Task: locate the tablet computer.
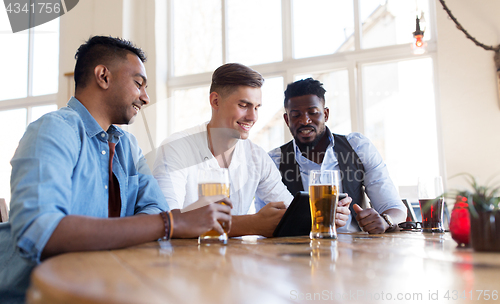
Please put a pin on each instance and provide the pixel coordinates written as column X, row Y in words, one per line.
column 297, row 219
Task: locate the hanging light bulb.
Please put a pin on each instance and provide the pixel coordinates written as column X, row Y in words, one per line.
column 419, row 46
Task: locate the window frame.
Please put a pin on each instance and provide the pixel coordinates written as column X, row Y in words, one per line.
column 289, row 66
column 29, row 101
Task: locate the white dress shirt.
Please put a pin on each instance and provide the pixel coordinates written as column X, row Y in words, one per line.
column 251, row 171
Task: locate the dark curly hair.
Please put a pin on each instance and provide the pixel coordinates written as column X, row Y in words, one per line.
column 303, row 87
column 101, row 50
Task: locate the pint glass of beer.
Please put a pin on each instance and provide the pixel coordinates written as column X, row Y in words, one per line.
column 323, row 198
column 213, row 181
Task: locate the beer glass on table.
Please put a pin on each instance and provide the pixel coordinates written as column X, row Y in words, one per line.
column 323, row 198
column 431, row 200
column 213, row 181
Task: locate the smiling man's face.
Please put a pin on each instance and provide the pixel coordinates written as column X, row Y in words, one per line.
column 238, row 110
column 306, row 116
column 127, row 94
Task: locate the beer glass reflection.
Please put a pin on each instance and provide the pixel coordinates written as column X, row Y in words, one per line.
column 324, row 255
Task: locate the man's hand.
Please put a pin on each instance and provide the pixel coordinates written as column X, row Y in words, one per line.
column 269, row 216
column 370, row 221
column 342, row 214
column 193, row 223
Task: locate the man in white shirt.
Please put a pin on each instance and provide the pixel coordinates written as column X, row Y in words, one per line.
column 235, row 97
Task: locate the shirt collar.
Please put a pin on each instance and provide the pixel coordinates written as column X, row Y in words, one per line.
column 235, row 160
column 92, row 128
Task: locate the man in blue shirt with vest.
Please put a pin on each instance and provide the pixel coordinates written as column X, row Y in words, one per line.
column 314, row 147
column 79, row 183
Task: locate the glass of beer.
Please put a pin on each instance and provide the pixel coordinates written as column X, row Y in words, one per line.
column 213, row 181
column 431, row 200
column 323, row 198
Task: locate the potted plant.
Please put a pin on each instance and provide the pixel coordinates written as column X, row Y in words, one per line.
column 483, row 206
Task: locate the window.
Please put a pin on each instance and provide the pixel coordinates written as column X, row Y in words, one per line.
column 322, row 27
column 196, row 36
column 359, row 49
column 254, row 31
column 400, row 116
column 189, row 103
column 388, row 22
column 28, row 82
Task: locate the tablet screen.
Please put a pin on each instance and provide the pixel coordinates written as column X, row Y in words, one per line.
column 297, row 218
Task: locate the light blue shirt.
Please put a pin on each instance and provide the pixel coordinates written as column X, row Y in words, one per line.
column 61, row 168
column 378, row 185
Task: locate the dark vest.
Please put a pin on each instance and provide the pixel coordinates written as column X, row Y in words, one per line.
column 352, row 171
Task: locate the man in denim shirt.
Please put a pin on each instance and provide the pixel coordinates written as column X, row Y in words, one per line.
column 62, row 191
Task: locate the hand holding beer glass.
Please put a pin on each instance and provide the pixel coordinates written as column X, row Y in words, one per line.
column 431, row 200
column 213, row 181
column 323, row 198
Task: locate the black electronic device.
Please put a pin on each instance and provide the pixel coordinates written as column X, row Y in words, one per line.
column 297, row 219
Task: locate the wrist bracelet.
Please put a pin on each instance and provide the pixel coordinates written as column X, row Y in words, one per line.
column 389, row 222
column 168, row 225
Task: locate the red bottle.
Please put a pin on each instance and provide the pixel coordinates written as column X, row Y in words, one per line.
column 460, row 221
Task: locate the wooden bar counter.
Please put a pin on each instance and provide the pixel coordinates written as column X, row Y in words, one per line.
column 401, row 267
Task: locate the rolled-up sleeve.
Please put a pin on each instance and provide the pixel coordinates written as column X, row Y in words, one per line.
column 41, row 183
column 379, row 186
column 275, row 155
column 271, row 188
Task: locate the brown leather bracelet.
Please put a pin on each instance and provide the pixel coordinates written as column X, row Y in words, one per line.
column 168, row 224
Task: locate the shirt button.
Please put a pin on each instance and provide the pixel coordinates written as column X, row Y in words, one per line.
column 103, row 135
column 106, row 187
column 103, row 152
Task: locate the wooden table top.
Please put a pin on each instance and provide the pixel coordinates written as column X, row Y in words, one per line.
column 403, row 267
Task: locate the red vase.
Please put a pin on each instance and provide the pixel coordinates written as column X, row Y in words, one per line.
column 460, row 222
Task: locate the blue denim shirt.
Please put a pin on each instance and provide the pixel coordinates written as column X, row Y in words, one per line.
column 61, row 168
